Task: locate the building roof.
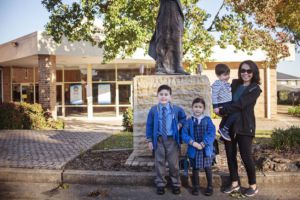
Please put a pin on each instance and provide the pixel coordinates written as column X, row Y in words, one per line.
column 24, row 51
column 283, row 76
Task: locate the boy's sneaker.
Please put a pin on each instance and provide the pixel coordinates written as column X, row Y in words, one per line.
column 224, row 133
column 160, row 190
column 231, row 189
column 250, row 192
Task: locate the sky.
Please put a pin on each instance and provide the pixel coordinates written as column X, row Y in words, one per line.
column 21, row 17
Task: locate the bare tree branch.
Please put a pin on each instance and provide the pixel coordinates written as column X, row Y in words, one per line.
column 214, row 21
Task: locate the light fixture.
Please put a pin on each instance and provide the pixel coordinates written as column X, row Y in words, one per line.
column 14, row 44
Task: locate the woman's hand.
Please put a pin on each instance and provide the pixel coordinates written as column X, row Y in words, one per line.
column 217, row 111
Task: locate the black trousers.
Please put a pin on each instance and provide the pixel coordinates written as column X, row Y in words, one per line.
column 245, row 146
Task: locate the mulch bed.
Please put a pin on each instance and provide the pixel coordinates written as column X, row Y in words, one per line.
column 266, row 159
column 104, row 161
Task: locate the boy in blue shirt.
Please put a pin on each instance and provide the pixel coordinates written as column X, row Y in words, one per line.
column 162, row 134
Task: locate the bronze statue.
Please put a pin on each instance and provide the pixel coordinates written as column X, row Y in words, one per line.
column 166, row 42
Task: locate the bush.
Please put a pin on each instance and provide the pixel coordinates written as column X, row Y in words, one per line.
column 286, row 139
column 127, row 122
column 26, row 116
column 294, row 111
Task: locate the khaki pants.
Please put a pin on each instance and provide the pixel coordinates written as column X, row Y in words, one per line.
column 167, row 151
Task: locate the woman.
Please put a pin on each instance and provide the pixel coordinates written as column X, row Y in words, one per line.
column 245, row 91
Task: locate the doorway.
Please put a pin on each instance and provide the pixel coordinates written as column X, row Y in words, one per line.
column 27, row 93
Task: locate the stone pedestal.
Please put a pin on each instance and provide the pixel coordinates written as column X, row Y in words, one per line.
column 184, row 90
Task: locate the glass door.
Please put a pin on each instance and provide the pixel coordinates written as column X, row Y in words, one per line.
column 27, row 93
column 125, row 96
column 59, row 99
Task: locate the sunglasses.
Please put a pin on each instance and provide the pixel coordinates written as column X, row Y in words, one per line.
column 249, row 71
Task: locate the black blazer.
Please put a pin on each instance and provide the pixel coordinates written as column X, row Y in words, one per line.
column 245, row 123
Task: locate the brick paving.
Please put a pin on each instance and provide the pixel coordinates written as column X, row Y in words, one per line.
column 44, row 149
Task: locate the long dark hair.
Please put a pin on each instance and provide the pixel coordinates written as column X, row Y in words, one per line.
column 255, row 71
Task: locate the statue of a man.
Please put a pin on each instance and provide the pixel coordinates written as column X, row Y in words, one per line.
column 166, row 43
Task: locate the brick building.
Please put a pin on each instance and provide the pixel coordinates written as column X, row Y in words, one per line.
column 70, row 80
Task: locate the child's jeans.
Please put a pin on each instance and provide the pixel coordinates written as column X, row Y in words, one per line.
column 230, row 119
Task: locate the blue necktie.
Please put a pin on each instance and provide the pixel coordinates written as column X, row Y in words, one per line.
column 164, row 124
column 196, row 120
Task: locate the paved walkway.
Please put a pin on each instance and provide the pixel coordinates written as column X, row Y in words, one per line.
column 94, row 125
column 44, row 149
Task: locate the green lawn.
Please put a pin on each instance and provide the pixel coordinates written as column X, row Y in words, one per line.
column 124, row 140
column 263, row 133
column 120, row 140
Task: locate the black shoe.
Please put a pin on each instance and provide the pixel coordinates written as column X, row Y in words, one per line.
column 195, row 191
column 160, row 190
column 231, row 189
column 250, row 192
column 209, row 191
column 176, row 190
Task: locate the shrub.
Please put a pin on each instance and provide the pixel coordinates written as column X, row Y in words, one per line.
column 26, row 116
column 127, row 122
column 286, row 139
column 294, row 111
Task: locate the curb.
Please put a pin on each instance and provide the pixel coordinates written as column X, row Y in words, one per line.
column 147, row 178
column 108, row 177
column 132, row 178
column 30, row 175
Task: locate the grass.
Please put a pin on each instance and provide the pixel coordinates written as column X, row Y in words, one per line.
column 263, row 133
column 120, row 140
column 124, row 140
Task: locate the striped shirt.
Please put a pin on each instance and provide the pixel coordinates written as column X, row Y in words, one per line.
column 221, row 92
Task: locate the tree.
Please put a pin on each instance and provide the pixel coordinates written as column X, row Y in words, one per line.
column 129, row 24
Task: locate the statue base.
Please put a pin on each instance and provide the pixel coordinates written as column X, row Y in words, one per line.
column 184, row 90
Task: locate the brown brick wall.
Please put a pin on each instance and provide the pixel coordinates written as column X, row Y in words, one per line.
column 47, row 83
column 6, row 84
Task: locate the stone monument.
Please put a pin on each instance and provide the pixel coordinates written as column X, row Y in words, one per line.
column 184, row 90
column 166, row 48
